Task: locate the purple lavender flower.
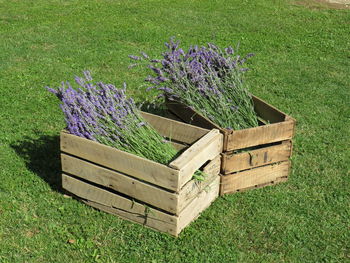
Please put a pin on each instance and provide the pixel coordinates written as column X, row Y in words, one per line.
column 155, row 61
column 132, row 66
column 87, row 75
column 229, row 51
column 234, row 108
column 144, row 55
column 140, row 124
column 134, row 57
column 166, row 90
column 103, row 113
column 208, row 79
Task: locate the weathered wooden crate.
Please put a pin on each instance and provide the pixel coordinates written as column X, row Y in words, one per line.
column 253, row 157
column 163, row 197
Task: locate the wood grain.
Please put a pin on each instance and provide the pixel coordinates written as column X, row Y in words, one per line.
column 212, row 137
column 280, row 126
column 260, row 135
column 171, row 202
column 233, row 162
column 122, row 206
column 175, row 130
column 139, row 213
column 268, row 112
column 250, row 178
column 209, row 151
column 198, row 205
column 115, row 159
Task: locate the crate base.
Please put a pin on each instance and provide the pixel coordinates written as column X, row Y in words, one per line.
column 255, row 178
column 132, row 210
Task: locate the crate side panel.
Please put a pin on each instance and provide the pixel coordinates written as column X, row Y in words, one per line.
column 254, row 177
column 132, row 187
column 175, row 130
column 122, row 206
column 189, row 115
column 135, row 218
column 194, row 187
column 265, row 134
column 198, row 205
column 267, row 112
column 209, row 152
column 241, row 161
column 212, row 137
column 131, row 164
column 276, row 181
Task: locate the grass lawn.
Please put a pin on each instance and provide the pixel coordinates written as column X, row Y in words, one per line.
column 302, row 66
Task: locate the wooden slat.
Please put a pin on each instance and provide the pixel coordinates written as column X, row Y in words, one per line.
column 276, row 181
column 121, row 206
column 150, row 194
column 133, row 217
column 213, row 167
column 188, row 115
column 241, row 161
column 211, row 149
column 199, row 204
column 193, row 151
column 132, row 187
column 193, row 187
column 254, row 177
column 179, row 146
column 273, row 132
column 175, row 130
column 136, row 212
column 265, row 134
column 141, row 168
column 267, row 112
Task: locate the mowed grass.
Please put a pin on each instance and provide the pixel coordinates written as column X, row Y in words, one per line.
column 302, row 66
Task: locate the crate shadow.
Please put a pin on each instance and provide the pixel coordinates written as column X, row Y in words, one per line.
column 154, row 108
column 158, row 109
column 42, row 157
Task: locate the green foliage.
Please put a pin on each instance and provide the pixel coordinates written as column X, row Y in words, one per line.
column 301, row 66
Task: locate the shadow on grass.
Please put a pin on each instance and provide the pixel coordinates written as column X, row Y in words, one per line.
column 42, row 156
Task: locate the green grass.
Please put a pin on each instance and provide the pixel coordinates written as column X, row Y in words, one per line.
column 302, row 66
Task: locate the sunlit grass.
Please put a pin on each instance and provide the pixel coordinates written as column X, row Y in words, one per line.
column 301, row 66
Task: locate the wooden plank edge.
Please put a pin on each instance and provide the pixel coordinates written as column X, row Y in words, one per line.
column 189, row 115
column 226, row 187
column 122, row 183
column 212, row 150
column 228, row 158
column 199, row 146
column 198, row 205
column 118, row 160
column 186, row 129
column 276, row 181
column 135, row 218
column 98, row 195
column 267, row 112
column 243, row 142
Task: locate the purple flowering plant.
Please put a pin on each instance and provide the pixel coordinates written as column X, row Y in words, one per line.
column 103, row 113
column 207, row 79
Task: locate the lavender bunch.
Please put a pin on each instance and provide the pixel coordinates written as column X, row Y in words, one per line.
column 207, row 79
column 102, row 113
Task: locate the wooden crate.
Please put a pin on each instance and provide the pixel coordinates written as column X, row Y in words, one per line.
column 250, row 156
column 163, row 197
